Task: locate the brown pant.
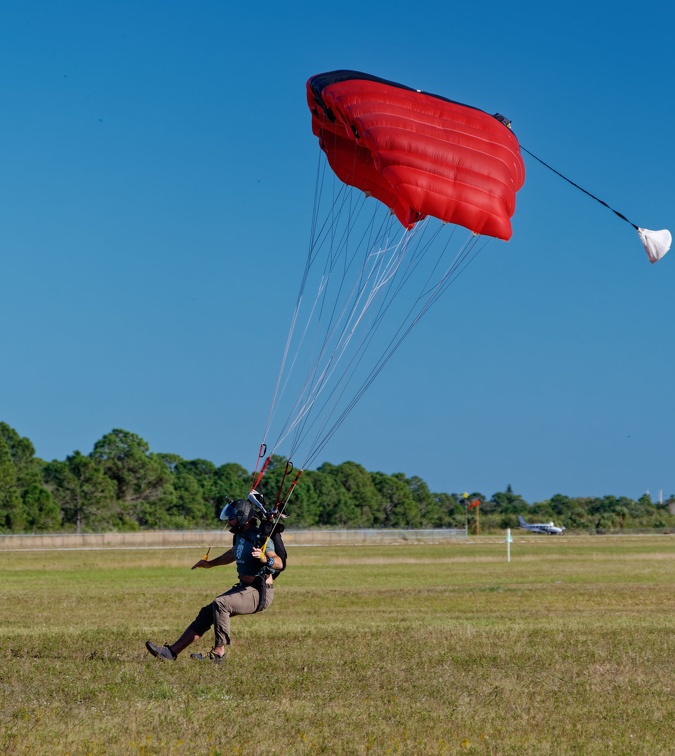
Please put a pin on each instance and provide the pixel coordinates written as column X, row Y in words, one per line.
column 240, row 599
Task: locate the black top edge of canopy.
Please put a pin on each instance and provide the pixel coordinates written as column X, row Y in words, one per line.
column 318, row 83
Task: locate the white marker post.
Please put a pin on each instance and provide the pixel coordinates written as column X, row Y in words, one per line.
column 509, row 541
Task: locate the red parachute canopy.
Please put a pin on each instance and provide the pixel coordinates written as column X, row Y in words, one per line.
column 418, row 153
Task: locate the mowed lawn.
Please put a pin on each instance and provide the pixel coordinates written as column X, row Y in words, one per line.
column 415, row 649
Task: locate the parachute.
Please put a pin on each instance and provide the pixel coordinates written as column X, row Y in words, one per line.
column 419, row 154
column 400, row 173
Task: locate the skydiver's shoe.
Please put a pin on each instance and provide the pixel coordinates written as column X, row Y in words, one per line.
column 212, row 656
column 161, row 652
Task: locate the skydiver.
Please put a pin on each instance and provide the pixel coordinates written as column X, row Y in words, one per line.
column 253, row 593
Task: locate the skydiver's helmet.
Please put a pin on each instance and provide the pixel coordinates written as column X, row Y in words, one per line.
column 240, row 510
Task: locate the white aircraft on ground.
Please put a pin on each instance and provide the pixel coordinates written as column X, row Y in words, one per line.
column 542, row 527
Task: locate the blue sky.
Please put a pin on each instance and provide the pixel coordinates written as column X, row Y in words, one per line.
column 157, row 180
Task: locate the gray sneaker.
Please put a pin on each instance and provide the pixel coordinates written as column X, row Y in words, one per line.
column 161, row 652
column 212, row 656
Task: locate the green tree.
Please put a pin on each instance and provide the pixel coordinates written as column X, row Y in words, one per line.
column 542, row 510
column 84, row 493
column 232, row 482
column 28, row 469
column 606, row 521
column 335, row 506
column 42, row 511
column 433, row 510
column 507, row 520
column 577, row 519
column 187, row 507
column 143, row 479
column 27, row 504
column 601, row 506
column 304, row 507
column 453, row 513
column 12, row 511
column 358, row 483
column 398, row 507
column 198, row 497
column 562, row 505
column 642, row 508
column 507, row 502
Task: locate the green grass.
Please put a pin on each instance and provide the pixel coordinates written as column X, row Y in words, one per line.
column 416, row 649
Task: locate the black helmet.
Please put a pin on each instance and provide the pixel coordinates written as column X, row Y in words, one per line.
column 239, row 510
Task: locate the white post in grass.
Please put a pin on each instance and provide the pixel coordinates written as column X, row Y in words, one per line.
column 509, row 540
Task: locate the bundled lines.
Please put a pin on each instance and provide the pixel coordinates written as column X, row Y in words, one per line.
column 377, row 282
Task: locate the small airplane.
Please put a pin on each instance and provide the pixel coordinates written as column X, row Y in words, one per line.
column 541, row 527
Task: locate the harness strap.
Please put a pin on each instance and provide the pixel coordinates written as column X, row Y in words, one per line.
column 260, row 584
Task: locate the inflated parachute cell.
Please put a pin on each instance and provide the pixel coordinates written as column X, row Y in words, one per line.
column 418, row 153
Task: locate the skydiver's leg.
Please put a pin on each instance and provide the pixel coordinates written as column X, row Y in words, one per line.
column 186, row 639
column 202, row 622
column 238, row 600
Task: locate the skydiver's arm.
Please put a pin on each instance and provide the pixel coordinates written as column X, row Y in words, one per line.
column 226, row 558
column 275, row 564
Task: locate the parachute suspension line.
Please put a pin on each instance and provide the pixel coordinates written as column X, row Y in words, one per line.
column 261, row 453
column 319, row 181
column 463, row 259
column 339, row 390
column 289, row 467
column 258, row 478
column 345, row 322
column 277, row 512
column 339, row 249
column 337, row 393
column 316, row 449
column 355, row 326
column 378, row 273
column 569, row 181
column 311, row 256
column 325, row 233
column 317, row 304
column 343, row 343
column 282, row 498
column 288, row 493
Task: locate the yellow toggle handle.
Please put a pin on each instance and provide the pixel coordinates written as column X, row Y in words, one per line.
column 263, row 558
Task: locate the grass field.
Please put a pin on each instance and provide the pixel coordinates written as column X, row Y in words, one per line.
column 429, row 649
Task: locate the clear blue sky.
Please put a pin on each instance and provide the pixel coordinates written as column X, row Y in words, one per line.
column 157, row 181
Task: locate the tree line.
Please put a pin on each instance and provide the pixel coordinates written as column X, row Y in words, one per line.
column 122, row 485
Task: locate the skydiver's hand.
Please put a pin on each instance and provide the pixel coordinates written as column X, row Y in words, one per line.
column 203, row 563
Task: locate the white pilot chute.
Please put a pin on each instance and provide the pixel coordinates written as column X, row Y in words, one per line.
column 656, row 243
